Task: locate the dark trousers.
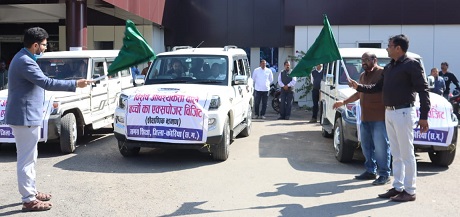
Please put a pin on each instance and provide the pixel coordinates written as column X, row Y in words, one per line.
column 260, row 95
column 287, row 97
column 315, row 98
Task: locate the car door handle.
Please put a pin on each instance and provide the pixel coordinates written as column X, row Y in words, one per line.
column 105, row 85
column 118, row 82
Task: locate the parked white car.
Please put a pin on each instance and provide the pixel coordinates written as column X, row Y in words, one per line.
column 70, row 115
column 440, row 142
column 194, row 98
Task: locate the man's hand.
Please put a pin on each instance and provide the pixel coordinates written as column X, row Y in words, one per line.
column 337, row 104
column 286, row 87
column 81, row 83
column 353, row 84
column 423, row 126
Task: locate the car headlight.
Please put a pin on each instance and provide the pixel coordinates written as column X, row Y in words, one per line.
column 350, row 110
column 215, row 102
column 122, row 101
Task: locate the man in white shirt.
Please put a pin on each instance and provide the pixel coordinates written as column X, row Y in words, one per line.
column 287, row 93
column 262, row 77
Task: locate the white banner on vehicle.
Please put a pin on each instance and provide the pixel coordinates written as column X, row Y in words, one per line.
column 166, row 115
column 6, row 133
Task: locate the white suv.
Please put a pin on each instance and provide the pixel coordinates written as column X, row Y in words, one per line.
column 194, row 98
column 70, row 115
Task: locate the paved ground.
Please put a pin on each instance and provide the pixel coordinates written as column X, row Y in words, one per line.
column 285, row 168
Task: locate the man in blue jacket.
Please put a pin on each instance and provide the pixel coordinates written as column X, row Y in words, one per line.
column 24, row 112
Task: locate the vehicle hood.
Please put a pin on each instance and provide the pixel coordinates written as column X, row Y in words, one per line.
column 221, row 91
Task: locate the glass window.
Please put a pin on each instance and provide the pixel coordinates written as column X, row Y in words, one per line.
column 64, row 68
column 354, row 68
column 189, row 69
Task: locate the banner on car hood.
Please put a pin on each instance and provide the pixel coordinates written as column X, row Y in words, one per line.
column 169, row 116
column 440, row 122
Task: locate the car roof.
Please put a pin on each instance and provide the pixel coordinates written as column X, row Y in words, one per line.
column 81, row 54
column 379, row 52
column 222, row 51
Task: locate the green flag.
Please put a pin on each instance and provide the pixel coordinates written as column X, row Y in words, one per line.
column 324, row 50
column 135, row 50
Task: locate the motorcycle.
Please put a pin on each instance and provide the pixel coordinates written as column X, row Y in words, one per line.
column 275, row 93
column 454, row 99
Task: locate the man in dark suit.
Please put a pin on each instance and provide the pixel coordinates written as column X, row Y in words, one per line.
column 24, row 112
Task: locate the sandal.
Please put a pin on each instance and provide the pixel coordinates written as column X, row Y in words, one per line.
column 36, row 205
column 43, row 196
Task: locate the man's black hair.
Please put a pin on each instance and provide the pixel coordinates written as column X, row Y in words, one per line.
column 401, row 41
column 34, row 35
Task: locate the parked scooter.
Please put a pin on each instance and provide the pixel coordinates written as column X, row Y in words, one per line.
column 275, row 94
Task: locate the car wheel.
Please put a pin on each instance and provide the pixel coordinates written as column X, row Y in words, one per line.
column 442, row 158
column 220, row 151
column 343, row 151
column 247, row 131
column 68, row 138
column 127, row 151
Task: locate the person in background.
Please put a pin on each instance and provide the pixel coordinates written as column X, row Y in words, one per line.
column 374, row 137
column 146, row 69
column 449, row 77
column 24, row 112
column 262, row 77
column 3, row 75
column 135, row 72
column 287, row 94
column 401, row 79
column 316, row 76
column 177, row 69
column 439, row 84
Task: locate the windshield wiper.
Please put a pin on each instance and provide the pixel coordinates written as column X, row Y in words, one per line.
column 208, row 82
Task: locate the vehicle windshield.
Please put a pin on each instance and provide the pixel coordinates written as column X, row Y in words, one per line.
column 64, row 68
column 196, row 69
column 354, row 68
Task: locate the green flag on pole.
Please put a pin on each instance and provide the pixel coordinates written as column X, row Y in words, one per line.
column 324, row 50
column 135, row 50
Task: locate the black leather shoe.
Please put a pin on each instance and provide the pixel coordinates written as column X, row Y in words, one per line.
column 381, row 180
column 280, row 118
column 390, row 193
column 366, row 176
column 403, row 197
column 287, row 118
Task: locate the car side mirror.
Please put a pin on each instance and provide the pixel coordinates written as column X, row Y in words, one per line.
column 240, row 80
column 139, row 80
column 96, row 82
column 329, row 79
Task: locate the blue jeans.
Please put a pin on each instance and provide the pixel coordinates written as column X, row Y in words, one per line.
column 375, row 147
column 260, row 95
column 286, row 103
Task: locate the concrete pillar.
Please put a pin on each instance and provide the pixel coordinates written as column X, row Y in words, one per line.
column 76, row 32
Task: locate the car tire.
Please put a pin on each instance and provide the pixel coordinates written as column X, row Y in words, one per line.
column 442, row 158
column 126, row 151
column 221, row 150
column 247, row 131
column 343, row 151
column 68, row 137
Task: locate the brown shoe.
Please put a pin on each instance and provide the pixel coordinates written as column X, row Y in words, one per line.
column 390, row 193
column 36, row 205
column 43, row 196
column 403, row 197
column 313, row 120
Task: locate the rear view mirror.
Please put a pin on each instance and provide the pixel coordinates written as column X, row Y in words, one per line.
column 329, row 79
column 139, row 80
column 240, row 80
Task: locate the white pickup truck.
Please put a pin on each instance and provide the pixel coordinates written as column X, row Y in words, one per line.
column 70, row 115
column 440, row 142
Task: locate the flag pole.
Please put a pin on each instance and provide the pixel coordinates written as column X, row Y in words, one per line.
column 345, row 70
